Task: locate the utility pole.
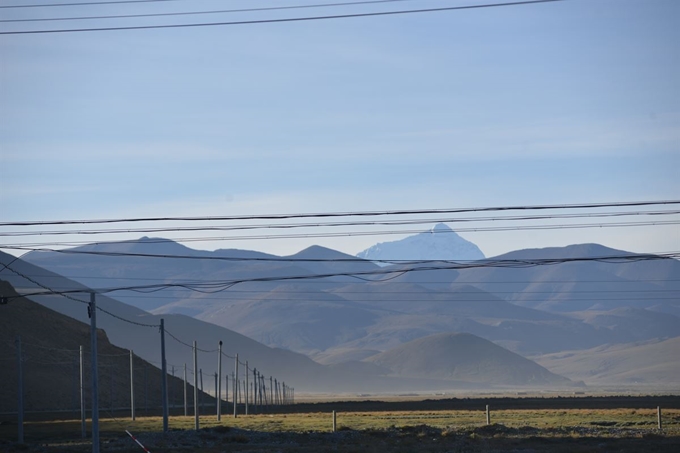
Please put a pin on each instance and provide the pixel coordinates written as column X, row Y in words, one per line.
column 200, row 375
column 196, row 422
column 236, row 386
column 170, row 390
column 20, row 415
column 82, row 393
column 185, row 391
column 164, row 379
column 95, row 384
column 255, row 388
column 146, row 388
column 132, row 385
column 219, row 381
column 271, row 390
column 246, row 393
column 264, row 390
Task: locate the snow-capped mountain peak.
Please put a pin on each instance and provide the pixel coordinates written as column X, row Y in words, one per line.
column 438, row 243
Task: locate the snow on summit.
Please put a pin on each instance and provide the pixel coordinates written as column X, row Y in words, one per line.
column 438, row 243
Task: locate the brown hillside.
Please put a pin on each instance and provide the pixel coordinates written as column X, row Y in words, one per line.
column 464, row 357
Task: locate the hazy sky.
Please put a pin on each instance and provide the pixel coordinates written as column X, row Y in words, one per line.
column 576, row 101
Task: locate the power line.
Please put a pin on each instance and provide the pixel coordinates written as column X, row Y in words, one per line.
column 90, row 277
column 387, row 274
column 223, row 11
column 67, row 296
column 450, row 295
column 9, row 268
column 454, row 299
column 43, row 246
column 290, row 19
column 203, row 255
column 120, row 318
column 347, row 213
column 467, row 282
column 275, row 226
column 111, row 2
column 187, row 344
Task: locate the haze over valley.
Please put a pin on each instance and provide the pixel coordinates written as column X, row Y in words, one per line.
column 332, row 322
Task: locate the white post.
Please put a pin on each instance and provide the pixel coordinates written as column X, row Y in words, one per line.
column 334, row 423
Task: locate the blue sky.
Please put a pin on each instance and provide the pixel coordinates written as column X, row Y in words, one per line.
column 576, row 101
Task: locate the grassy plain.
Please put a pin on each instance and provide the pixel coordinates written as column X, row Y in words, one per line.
column 578, row 430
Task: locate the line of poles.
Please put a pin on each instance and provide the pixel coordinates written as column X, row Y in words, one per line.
column 256, row 394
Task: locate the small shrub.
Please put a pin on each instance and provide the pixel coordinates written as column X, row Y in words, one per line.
column 603, row 423
column 237, row 439
column 652, row 436
column 448, row 433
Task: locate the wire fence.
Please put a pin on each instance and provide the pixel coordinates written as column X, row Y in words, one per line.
column 54, row 380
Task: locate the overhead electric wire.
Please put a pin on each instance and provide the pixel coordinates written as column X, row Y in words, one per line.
column 129, row 321
column 35, row 282
column 37, row 246
column 223, row 11
column 273, row 226
column 219, row 286
column 67, row 296
column 468, row 282
column 187, row 344
column 346, row 213
column 289, row 19
column 106, row 2
column 455, row 299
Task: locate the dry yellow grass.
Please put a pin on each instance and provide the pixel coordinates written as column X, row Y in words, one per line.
column 644, row 419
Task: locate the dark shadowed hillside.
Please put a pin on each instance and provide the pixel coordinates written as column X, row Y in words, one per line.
column 50, row 352
column 286, row 365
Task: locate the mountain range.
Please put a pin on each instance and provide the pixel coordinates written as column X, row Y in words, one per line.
column 138, row 334
column 359, row 310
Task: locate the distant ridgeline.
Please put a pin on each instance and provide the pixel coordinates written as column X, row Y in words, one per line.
column 440, row 243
